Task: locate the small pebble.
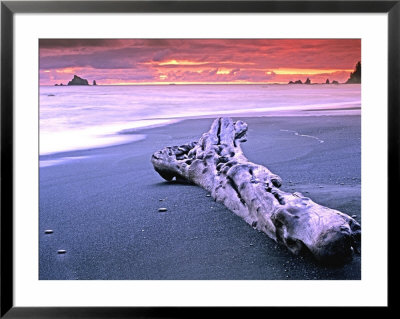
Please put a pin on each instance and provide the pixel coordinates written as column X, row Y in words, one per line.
column 161, row 199
column 251, row 244
column 321, row 186
column 61, row 251
column 354, row 216
column 142, row 229
column 48, row 231
column 208, row 195
column 162, row 209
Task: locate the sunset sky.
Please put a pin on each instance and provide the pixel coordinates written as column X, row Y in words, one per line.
column 193, row 61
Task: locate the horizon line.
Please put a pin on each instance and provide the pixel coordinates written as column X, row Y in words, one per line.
column 169, row 84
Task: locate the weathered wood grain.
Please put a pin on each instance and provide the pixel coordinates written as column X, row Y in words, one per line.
column 216, row 163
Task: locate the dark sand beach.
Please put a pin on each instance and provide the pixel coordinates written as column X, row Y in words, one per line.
column 102, row 205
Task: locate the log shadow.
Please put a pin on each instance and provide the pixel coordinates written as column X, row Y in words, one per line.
column 174, row 183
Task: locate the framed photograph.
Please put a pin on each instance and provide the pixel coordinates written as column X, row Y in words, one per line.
column 163, row 155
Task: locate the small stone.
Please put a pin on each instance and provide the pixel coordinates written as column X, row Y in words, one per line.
column 48, row 231
column 142, row 229
column 162, row 209
column 61, row 251
column 208, row 195
column 321, row 186
column 251, row 244
column 354, row 216
column 161, row 199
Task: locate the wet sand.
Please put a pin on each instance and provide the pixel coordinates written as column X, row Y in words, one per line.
column 102, row 205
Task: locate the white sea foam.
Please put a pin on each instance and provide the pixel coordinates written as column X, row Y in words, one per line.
column 46, row 163
column 304, row 135
column 81, row 117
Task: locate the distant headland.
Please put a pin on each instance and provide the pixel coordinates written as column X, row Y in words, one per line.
column 355, row 77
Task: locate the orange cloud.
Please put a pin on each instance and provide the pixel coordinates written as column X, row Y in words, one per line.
column 308, row 71
column 175, row 62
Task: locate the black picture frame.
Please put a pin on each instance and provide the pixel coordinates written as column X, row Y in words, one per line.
column 9, row 8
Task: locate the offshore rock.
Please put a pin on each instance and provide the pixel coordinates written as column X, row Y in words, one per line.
column 78, row 81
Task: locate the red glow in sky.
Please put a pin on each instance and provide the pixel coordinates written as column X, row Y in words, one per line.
column 197, row 61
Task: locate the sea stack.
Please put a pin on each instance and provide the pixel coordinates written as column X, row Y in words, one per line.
column 78, row 81
column 327, row 81
column 94, row 82
column 308, row 81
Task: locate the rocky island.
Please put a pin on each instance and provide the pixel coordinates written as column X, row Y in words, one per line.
column 78, row 81
column 296, row 82
column 308, row 81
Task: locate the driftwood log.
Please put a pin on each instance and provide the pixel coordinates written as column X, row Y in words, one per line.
column 216, row 163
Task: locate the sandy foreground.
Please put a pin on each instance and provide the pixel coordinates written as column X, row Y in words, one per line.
column 102, row 205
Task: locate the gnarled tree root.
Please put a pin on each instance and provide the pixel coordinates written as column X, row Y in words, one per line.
column 216, row 163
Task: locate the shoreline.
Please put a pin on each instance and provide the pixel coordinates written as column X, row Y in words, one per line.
column 139, row 132
column 103, row 206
